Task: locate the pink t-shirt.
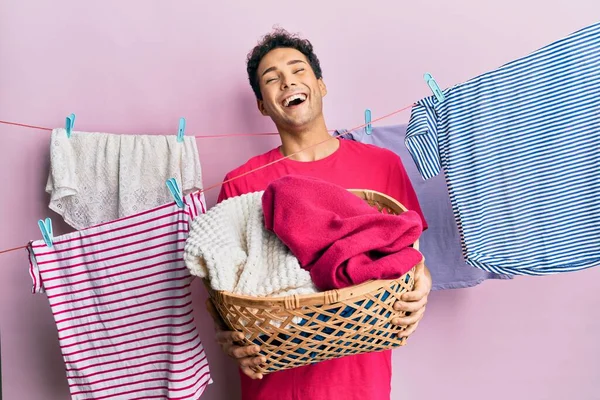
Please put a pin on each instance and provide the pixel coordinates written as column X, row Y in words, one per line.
column 353, row 166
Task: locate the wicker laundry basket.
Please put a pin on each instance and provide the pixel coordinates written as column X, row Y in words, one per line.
column 304, row 329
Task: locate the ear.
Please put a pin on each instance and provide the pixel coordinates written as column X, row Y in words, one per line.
column 322, row 87
column 261, row 107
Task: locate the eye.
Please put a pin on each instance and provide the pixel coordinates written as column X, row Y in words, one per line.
column 299, row 70
column 270, row 80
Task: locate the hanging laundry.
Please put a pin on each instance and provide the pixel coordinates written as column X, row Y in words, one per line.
column 230, row 246
column 519, row 147
column 99, row 177
column 120, row 297
column 337, row 236
column 440, row 244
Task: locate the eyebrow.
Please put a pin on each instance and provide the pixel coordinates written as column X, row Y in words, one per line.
column 292, row 62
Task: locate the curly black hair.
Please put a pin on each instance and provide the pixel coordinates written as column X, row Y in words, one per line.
column 277, row 39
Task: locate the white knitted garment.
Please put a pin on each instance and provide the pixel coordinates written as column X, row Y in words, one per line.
column 230, row 246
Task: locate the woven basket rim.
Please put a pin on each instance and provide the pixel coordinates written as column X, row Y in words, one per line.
column 324, row 297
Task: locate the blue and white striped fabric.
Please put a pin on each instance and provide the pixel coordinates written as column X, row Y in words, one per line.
column 520, row 150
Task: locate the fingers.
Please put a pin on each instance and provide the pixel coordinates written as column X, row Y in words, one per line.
column 246, row 356
column 227, row 339
column 242, row 351
column 251, row 373
column 409, row 319
column 413, row 295
column 254, row 361
column 420, row 290
column 410, row 323
column 410, row 307
column 409, row 330
column 224, row 337
column 422, row 285
column 246, row 363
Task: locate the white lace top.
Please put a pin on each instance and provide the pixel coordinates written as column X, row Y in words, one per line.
column 100, row 177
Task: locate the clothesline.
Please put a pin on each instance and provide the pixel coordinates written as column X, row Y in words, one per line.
column 196, row 136
column 248, row 172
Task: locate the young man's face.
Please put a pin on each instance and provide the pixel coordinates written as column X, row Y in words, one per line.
column 292, row 94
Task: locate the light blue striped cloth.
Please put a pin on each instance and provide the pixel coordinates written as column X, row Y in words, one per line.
column 440, row 243
column 520, row 150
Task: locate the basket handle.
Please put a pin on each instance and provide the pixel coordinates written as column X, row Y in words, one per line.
column 331, row 296
column 292, row 301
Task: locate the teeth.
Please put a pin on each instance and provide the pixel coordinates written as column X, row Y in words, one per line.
column 293, row 97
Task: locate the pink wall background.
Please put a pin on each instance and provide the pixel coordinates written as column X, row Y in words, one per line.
column 137, row 66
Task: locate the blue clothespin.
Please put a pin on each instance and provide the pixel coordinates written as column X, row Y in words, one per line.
column 46, row 228
column 181, row 130
column 368, row 127
column 434, row 87
column 70, row 123
column 175, row 191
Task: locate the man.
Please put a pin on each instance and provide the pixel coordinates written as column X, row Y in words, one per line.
column 286, row 78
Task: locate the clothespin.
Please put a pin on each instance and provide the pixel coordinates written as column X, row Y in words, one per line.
column 175, row 191
column 70, row 123
column 368, row 127
column 434, row 87
column 181, row 130
column 46, row 228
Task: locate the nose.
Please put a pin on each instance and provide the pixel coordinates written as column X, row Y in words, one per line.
column 288, row 81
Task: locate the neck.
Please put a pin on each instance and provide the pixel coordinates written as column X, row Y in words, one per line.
column 316, row 138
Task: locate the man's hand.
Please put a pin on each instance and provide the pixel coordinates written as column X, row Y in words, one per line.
column 244, row 356
column 413, row 302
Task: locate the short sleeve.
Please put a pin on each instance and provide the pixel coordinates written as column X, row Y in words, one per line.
column 402, row 190
column 421, row 138
column 225, row 192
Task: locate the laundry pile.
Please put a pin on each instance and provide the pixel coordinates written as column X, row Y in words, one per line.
column 301, row 235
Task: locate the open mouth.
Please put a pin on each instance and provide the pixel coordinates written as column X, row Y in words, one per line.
column 294, row 100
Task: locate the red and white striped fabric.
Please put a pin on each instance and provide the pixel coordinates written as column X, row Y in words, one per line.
column 121, row 300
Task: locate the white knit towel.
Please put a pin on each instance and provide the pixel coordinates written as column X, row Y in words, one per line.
column 100, row 177
column 230, row 246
